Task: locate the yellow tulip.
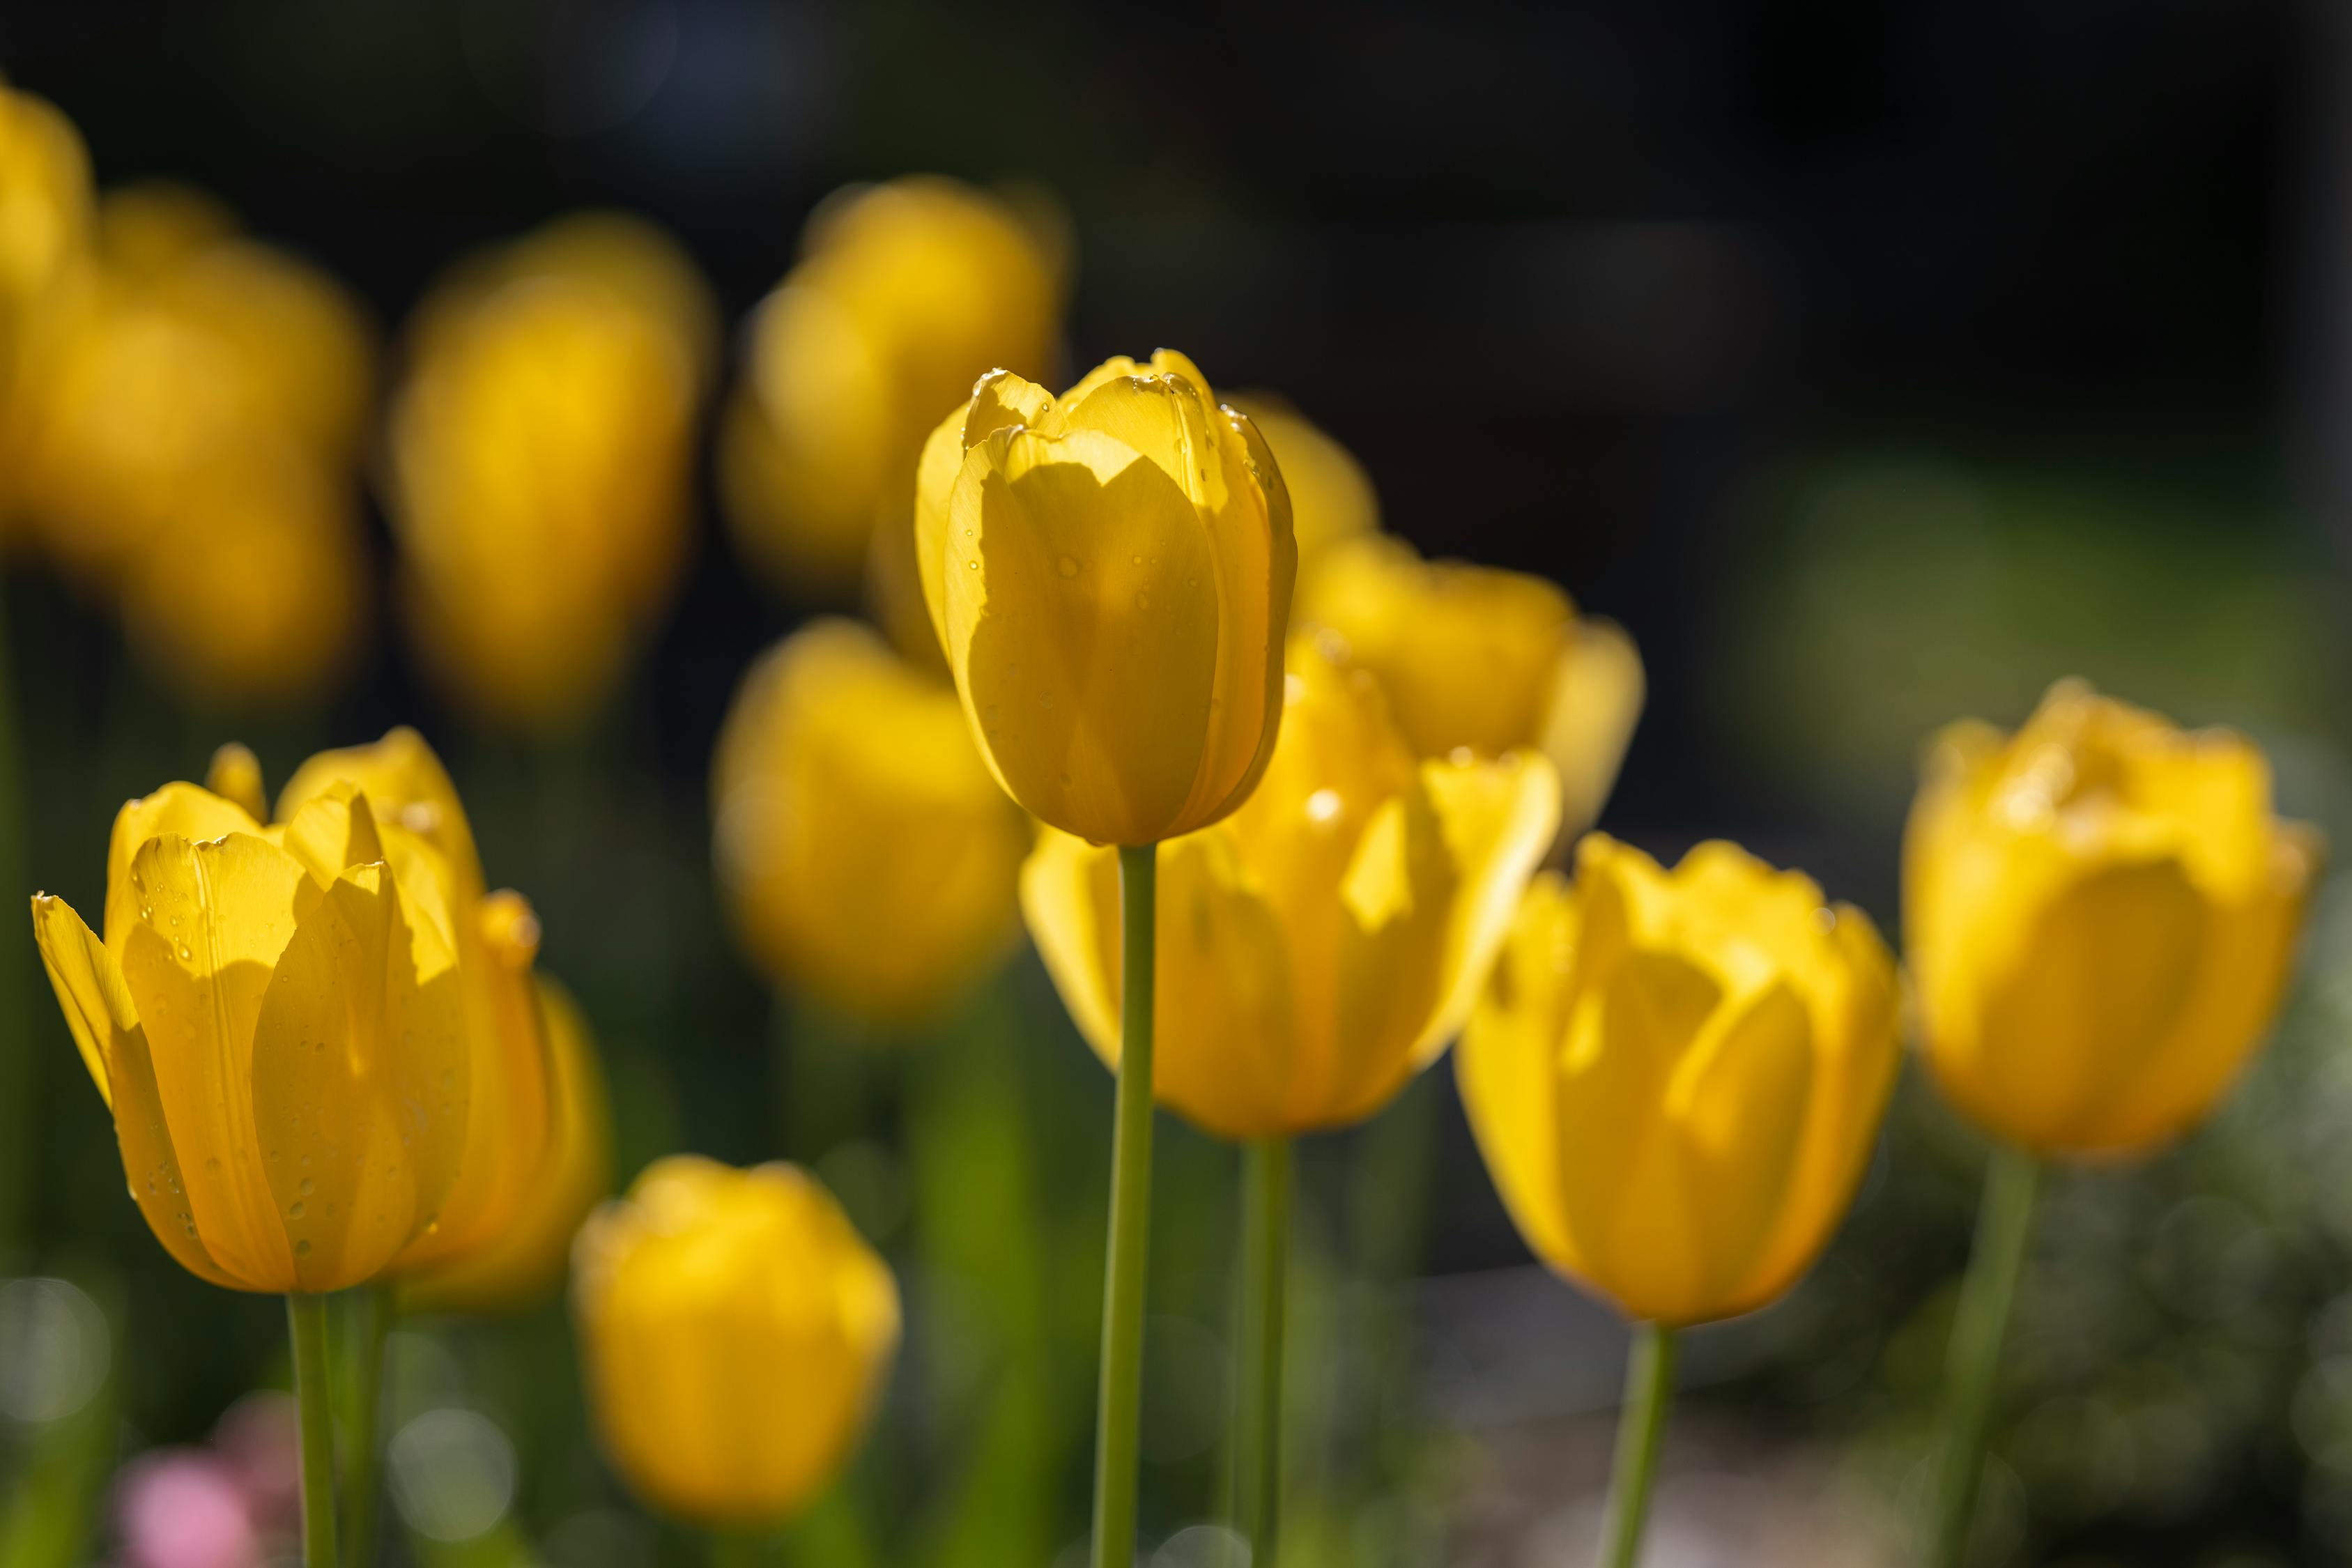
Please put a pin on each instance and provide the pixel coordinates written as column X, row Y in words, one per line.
column 45, row 233
column 1324, row 943
column 1676, row 1076
column 275, row 1018
column 1479, row 657
column 1110, row 576
column 736, row 1332
column 541, row 452
column 2101, row 913
column 512, row 1076
column 867, row 856
column 908, row 291
column 518, row 1266
column 1331, row 497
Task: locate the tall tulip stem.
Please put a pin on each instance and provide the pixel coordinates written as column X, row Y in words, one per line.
column 2004, row 1226
column 1264, row 1263
column 306, row 1326
column 1120, row 1400
column 1641, row 1432
column 368, row 1324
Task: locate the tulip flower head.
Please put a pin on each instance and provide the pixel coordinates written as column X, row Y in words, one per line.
column 302, row 1028
column 736, row 1333
column 1324, row 943
column 1487, row 659
column 866, row 853
column 541, row 458
column 45, row 224
column 1676, row 1076
column 2102, row 914
column 1110, row 574
column 907, row 291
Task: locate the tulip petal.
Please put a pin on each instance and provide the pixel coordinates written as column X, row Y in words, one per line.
column 219, row 916
column 184, row 809
column 1506, row 1065
column 105, row 1025
column 407, row 787
column 366, row 1125
column 1596, row 699
column 999, row 400
column 1498, row 818
column 1084, row 631
column 1229, row 1052
column 1069, row 896
column 2106, row 972
column 331, row 831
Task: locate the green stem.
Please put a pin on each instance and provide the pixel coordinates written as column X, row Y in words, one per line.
column 1641, row 1432
column 2004, row 1226
column 306, row 1326
column 1265, row 1259
column 369, row 1322
column 1120, row 1401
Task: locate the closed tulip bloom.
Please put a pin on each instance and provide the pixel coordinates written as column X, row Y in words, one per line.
column 520, row 1263
column 909, row 290
column 736, row 1333
column 866, row 854
column 512, row 1076
column 1331, row 497
column 1676, row 1076
column 1479, row 657
column 541, row 461
column 1110, row 576
column 2102, row 912
column 275, row 1017
column 1324, row 943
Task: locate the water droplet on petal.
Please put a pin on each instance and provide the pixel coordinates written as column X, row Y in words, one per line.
column 212, row 1166
column 306, row 1185
column 301, row 1250
column 1143, row 601
column 299, row 1210
column 1068, row 565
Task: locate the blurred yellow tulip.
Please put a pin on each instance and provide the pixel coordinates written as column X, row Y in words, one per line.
column 540, row 460
column 44, row 235
column 520, row 1264
column 736, row 1332
column 2101, row 913
column 1331, row 497
column 1110, row 576
column 275, row 1017
column 867, row 856
column 1676, row 1076
column 908, row 291
column 188, row 434
column 1479, row 657
column 1324, row 943
column 513, row 1140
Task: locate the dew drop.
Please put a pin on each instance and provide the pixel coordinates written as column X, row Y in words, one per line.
column 1143, row 601
column 1139, row 561
column 974, row 565
column 301, row 1250
column 306, row 1185
column 184, row 954
column 212, row 1164
column 1068, row 565
column 299, row 1210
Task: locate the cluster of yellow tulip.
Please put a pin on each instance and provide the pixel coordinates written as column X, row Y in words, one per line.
column 181, row 414
column 1294, row 791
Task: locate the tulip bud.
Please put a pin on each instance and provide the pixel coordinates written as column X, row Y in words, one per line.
column 1483, row 658
column 541, row 455
column 1676, row 1076
column 735, row 1332
column 907, row 291
column 1324, row 943
column 1110, row 576
column 2101, row 913
column 867, row 856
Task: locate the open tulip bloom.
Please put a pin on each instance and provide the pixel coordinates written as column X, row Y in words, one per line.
column 318, row 1038
column 2103, row 912
column 1109, row 574
column 1676, row 1078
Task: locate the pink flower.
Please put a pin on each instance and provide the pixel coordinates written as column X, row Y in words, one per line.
column 181, row 1508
